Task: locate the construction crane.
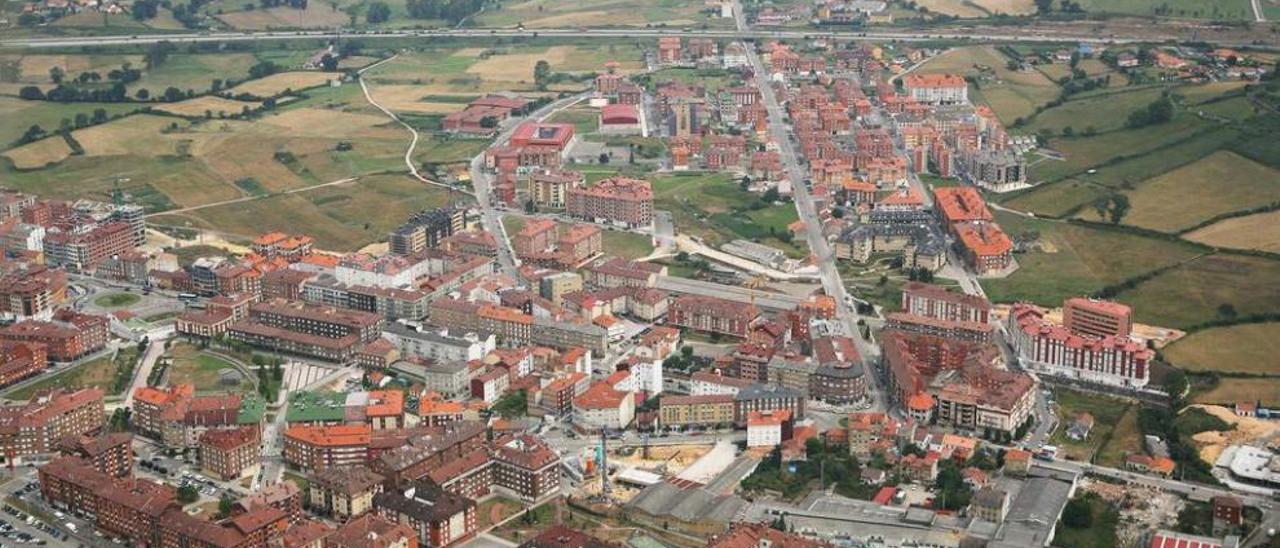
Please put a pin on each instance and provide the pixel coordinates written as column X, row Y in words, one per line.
column 754, row 283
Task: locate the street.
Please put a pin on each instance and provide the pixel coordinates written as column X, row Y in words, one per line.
column 818, row 246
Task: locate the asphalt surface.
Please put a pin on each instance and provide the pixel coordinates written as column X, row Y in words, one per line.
column 1015, row 34
column 818, row 245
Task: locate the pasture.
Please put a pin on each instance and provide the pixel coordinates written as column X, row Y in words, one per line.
column 1230, row 390
column 1246, row 348
column 1219, row 183
column 341, row 217
column 1198, row 290
column 278, row 83
column 1071, row 260
column 1260, row 231
column 316, row 15
column 1184, row 9
column 979, row 8
column 208, row 106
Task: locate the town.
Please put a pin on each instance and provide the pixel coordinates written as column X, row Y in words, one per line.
column 758, row 280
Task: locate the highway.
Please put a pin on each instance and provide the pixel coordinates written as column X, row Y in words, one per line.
column 1014, row 34
column 818, row 245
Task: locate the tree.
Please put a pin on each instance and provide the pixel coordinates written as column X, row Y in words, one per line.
column 158, row 53
column 604, row 158
column 378, row 12
column 542, row 74
column 56, row 74
column 771, row 195
column 34, row 132
column 31, row 93
column 1227, row 310
column 1119, row 207
column 99, row 115
column 172, row 94
column 224, row 505
column 142, row 94
column 188, row 494
column 328, row 63
column 1044, row 6
column 1078, row 514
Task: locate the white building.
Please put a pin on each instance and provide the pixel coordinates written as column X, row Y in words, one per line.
column 648, row 375
column 419, row 340
column 765, row 428
column 937, row 89
column 385, row 271
column 604, row 406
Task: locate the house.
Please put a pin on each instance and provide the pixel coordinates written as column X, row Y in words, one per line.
column 1081, row 426
column 1142, row 463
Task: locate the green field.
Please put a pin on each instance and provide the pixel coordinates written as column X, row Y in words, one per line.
column 1114, row 430
column 1237, row 10
column 1194, row 292
column 1102, row 113
column 1077, row 260
column 19, row 115
column 1247, row 348
column 341, row 217
column 627, row 245
column 1230, row 390
column 598, row 13
column 1074, row 187
column 97, row 373
column 714, row 207
column 1219, row 183
column 116, row 300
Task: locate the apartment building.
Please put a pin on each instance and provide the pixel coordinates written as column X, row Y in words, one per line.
column 439, row 518
column 617, row 200
column 39, row 425
column 1050, row 348
column 710, row 410
column 67, row 336
column 109, row 453
column 20, row 360
column 712, row 315
column 1096, row 317
column 937, row 89
column 317, row 331
column 31, row 291
column 230, row 454
column 426, row 229
column 344, row 493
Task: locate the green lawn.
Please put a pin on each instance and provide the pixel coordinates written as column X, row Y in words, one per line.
column 116, row 300
column 628, row 245
column 1077, row 260
column 190, row 365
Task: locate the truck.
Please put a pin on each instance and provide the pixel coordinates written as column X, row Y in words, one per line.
column 71, row 527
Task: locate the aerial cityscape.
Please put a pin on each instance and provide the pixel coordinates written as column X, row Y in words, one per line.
column 640, row 273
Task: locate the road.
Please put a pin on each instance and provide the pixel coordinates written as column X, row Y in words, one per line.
column 155, row 349
column 818, row 245
column 413, row 143
column 1016, row 34
column 1258, row 14
column 273, row 433
column 491, row 216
